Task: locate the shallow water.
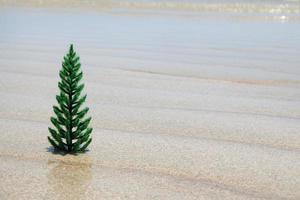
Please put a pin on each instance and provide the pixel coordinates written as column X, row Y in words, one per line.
column 172, row 44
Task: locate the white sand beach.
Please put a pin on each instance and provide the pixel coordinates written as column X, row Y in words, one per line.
column 185, row 103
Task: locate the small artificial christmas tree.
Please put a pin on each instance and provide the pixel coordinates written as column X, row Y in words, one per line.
column 72, row 133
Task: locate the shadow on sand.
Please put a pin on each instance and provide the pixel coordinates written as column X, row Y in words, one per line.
column 62, row 153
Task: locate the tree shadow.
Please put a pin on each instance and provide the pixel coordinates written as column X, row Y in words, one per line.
column 55, row 151
column 62, row 153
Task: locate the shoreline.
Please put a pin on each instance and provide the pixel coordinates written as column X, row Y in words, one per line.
column 281, row 11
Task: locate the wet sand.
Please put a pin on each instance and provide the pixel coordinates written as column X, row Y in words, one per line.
column 183, row 107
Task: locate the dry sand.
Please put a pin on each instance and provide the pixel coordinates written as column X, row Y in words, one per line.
column 179, row 110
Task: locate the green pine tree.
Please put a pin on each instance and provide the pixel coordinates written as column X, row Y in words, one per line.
column 72, row 132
